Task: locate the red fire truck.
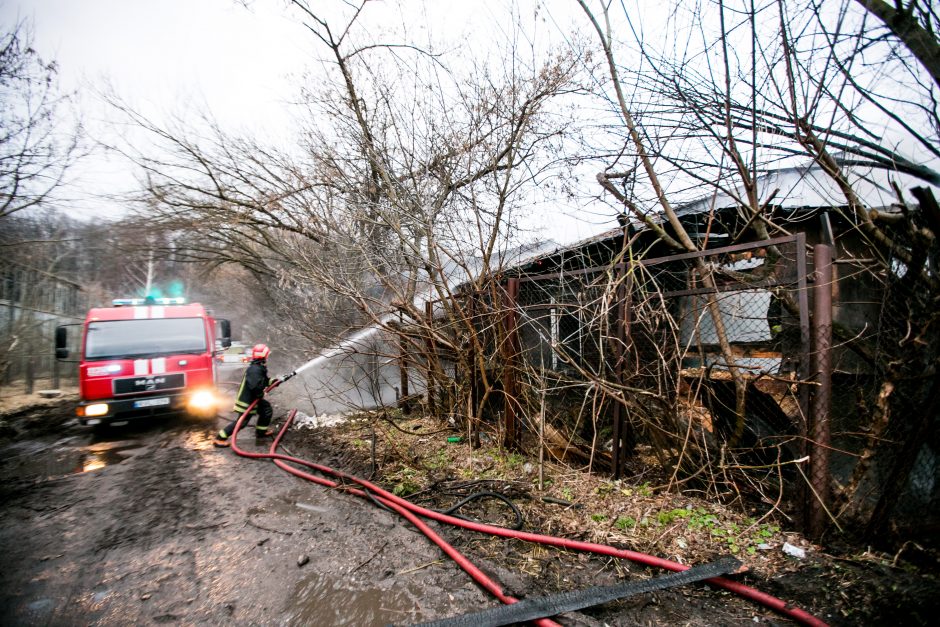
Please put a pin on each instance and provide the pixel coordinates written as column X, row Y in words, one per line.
column 144, row 357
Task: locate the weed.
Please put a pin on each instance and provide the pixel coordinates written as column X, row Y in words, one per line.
column 728, row 534
column 439, row 461
column 405, row 482
column 664, row 518
column 404, row 488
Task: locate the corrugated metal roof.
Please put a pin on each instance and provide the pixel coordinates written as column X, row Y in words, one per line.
column 797, row 188
column 808, row 186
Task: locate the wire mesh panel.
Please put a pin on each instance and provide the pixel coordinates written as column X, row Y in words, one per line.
column 566, row 326
column 659, row 325
column 737, row 337
column 886, row 390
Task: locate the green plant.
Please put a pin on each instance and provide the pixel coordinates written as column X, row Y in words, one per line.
column 405, row 482
column 728, row 533
column 441, row 460
column 625, row 522
column 598, row 517
column 702, row 519
column 566, row 494
column 404, row 488
column 664, row 518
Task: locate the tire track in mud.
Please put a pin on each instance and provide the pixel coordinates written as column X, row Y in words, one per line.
column 139, row 565
column 158, row 496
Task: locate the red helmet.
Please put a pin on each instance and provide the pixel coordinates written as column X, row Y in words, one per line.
column 260, row 351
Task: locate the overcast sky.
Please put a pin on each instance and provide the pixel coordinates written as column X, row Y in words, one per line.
column 184, row 57
column 164, row 58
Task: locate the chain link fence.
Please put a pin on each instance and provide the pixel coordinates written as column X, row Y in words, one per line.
column 706, row 350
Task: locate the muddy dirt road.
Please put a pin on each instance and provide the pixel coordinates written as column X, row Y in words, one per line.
column 151, row 524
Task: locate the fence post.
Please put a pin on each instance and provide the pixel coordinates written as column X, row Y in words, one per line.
column 29, row 369
column 621, row 446
column 822, row 396
column 403, row 402
column 429, row 319
column 474, row 414
column 510, row 350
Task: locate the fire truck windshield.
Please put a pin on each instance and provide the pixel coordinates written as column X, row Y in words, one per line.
column 114, row 339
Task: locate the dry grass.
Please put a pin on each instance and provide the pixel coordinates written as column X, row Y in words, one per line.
column 414, row 459
column 14, row 399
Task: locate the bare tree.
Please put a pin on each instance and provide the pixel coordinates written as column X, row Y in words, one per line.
column 407, row 180
column 35, row 151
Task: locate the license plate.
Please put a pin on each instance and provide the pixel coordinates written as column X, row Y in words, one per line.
column 152, row 402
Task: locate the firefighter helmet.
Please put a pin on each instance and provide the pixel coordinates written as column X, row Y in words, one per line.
column 260, row 351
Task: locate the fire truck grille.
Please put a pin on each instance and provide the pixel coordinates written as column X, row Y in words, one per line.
column 149, row 383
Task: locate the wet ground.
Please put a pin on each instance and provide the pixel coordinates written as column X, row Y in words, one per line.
column 150, row 523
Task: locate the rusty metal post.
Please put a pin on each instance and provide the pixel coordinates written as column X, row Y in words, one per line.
column 802, row 493
column 822, row 396
column 474, row 416
column 510, row 351
column 429, row 377
column 621, row 448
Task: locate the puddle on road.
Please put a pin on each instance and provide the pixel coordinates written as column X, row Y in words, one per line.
column 55, row 462
column 200, row 440
column 322, row 601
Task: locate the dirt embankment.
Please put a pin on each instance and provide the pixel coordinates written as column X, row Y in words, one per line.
column 151, row 524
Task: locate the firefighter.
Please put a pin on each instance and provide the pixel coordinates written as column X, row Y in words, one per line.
column 252, row 388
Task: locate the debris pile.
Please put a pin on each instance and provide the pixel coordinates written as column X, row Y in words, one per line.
column 303, row 421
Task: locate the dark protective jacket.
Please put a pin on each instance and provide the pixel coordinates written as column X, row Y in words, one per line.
column 253, row 385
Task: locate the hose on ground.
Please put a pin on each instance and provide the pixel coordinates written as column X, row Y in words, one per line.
column 481, row 495
column 279, row 460
column 410, row 511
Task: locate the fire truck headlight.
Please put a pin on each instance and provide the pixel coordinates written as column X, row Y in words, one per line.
column 97, row 409
column 202, row 402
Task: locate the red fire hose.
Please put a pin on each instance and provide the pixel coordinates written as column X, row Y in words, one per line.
column 410, row 511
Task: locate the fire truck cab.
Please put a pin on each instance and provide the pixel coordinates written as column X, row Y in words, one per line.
column 145, row 357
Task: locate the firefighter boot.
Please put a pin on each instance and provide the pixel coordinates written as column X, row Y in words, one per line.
column 222, row 440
